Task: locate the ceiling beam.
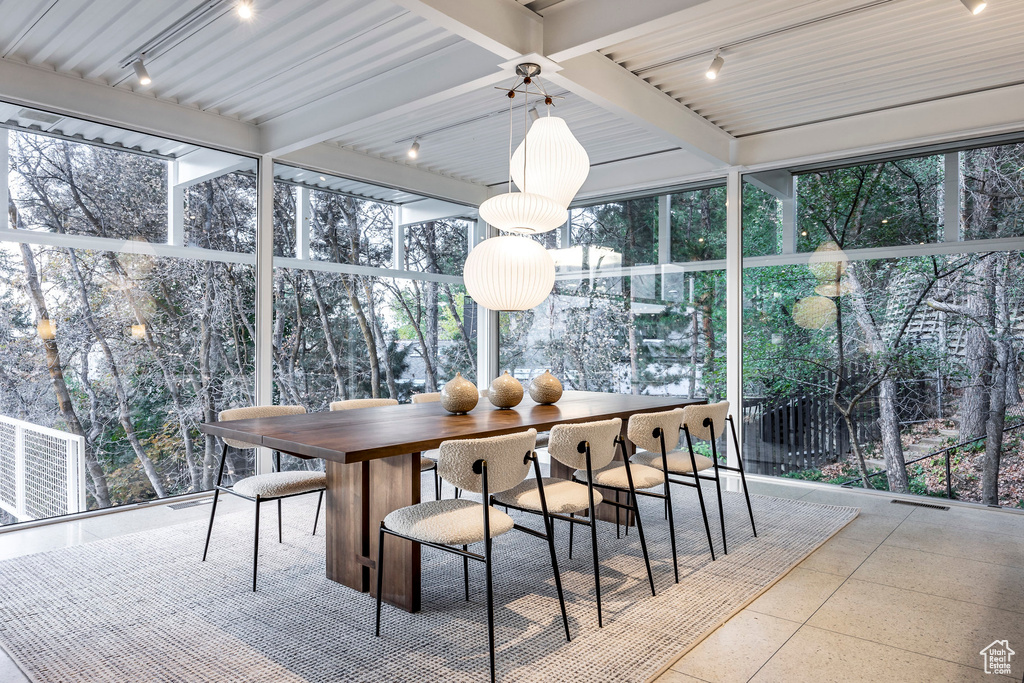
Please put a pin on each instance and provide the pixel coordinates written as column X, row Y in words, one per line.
column 447, row 73
column 649, row 172
column 606, row 84
column 991, row 112
column 503, row 27
column 48, row 90
column 573, row 29
column 334, row 160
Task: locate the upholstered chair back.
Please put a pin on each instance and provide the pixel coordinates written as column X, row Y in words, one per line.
column 354, row 403
column 432, row 397
column 566, row 439
column 693, row 417
column 252, row 413
column 505, row 455
column 642, row 429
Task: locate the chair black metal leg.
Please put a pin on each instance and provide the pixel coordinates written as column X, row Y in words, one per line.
column 572, row 533
column 597, row 565
column 465, row 571
column 490, row 602
column 643, row 543
column 721, row 511
column 437, row 484
column 256, row 545
column 666, row 506
column 316, row 519
column 617, row 535
column 380, row 574
column 672, row 529
column 704, row 514
column 279, row 520
column 458, row 492
column 743, row 477
column 209, row 530
column 549, row 524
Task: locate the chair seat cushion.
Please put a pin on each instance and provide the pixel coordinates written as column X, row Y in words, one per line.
column 615, row 476
column 275, row 484
column 562, row 496
column 678, row 461
column 447, row 521
column 426, row 464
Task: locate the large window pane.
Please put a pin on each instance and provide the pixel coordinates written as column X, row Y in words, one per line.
column 128, row 350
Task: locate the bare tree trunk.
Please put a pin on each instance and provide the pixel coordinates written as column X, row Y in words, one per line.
column 974, row 404
column 415, row 321
column 123, row 409
column 56, row 370
column 206, row 388
column 430, row 309
column 332, row 346
column 888, row 420
column 634, row 361
column 694, row 348
column 997, row 401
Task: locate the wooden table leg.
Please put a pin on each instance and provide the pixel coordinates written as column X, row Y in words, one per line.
column 359, row 496
column 346, row 520
column 395, row 483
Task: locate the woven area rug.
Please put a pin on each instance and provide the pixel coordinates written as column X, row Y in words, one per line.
column 143, row 607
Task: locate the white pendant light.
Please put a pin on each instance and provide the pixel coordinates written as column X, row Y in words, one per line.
column 509, row 273
column 556, row 165
column 523, row 212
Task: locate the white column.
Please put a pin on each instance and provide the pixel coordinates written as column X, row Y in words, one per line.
column 398, row 235
column 789, row 221
column 734, row 304
column 951, row 199
column 665, row 229
column 303, row 222
column 265, row 296
column 175, row 207
column 487, row 339
column 4, row 170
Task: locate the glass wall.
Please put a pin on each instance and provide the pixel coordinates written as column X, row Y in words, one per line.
column 353, row 321
column 639, row 301
column 880, row 340
column 126, row 321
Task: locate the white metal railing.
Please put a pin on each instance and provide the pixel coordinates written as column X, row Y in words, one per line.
column 42, row 470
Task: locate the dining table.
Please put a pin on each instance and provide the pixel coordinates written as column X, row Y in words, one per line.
column 372, row 460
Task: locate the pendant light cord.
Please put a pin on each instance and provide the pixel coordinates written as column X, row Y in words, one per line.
column 511, row 127
column 526, row 128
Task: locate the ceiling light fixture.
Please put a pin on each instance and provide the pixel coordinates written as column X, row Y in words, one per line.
column 140, row 71
column 975, row 6
column 716, row 66
column 414, row 150
column 244, row 9
column 515, row 273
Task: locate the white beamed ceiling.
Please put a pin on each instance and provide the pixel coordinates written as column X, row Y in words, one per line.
column 468, row 137
column 893, row 54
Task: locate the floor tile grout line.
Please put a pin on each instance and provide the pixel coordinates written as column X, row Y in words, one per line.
column 959, row 557
column 936, row 595
column 830, row 596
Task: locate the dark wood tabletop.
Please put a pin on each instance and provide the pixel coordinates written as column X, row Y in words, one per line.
column 350, row 436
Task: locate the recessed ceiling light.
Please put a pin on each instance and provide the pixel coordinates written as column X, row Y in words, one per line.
column 140, row 71
column 975, row 6
column 244, row 9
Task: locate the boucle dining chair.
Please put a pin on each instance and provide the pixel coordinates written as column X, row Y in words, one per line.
column 261, row 488
column 430, row 397
column 707, row 422
column 426, row 464
column 585, row 447
column 486, row 466
column 657, row 435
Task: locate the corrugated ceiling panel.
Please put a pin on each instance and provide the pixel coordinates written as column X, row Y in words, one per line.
column 813, row 60
column 468, row 137
column 292, row 53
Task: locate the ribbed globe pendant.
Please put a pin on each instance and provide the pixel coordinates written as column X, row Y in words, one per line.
column 509, row 273
column 556, row 163
column 523, row 212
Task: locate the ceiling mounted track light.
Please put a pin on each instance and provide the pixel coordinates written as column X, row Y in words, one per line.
column 140, row 71
column 244, row 9
column 716, row 66
column 414, row 150
column 975, row 6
